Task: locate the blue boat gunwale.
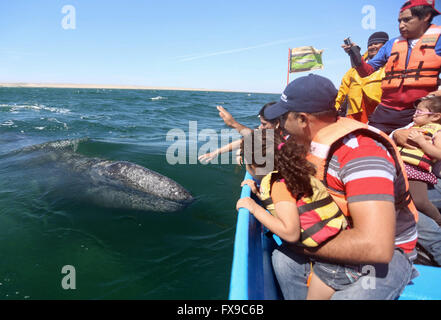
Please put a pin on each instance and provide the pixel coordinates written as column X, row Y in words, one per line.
column 252, row 276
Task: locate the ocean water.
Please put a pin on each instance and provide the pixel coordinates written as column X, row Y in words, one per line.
column 117, row 254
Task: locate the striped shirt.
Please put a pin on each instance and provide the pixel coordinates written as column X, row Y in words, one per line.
column 363, row 170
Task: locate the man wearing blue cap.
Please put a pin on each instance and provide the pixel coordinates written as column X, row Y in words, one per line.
column 360, row 166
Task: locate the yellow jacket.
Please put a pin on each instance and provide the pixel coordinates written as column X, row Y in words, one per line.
column 355, row 89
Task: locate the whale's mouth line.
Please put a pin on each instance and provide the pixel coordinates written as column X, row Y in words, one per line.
column 186, row 201
column 146, row 195
column 136, row 200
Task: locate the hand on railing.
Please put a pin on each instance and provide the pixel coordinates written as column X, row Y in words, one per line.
column 253, row 185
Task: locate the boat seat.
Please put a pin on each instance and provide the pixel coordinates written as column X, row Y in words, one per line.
column 426, row 286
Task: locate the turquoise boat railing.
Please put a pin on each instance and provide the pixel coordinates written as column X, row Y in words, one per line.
column 239, row 271
column 252, row 275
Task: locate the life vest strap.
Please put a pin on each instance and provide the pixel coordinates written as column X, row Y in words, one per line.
column 407, row 73
column 410, row 76
column 308, row 233
column 267, row 202
column 413, row 156
column 397, row 54
column 426, row 46
column 315, row 205
column 405, row 202
column 395, row 72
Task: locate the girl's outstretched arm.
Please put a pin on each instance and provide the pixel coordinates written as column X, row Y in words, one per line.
column 231, row 122
column 227, row 148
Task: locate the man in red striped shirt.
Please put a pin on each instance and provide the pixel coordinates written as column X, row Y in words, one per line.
column 362, row 171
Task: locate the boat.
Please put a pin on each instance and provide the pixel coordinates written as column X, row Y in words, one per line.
column 252, row 275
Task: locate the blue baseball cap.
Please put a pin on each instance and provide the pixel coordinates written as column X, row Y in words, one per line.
column 310, row 94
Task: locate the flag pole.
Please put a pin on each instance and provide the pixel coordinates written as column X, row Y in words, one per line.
column 289, row 64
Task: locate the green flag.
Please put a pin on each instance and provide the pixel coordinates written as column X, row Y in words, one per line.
column 305, row 59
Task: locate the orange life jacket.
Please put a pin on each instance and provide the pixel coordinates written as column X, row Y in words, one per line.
column 328, row 137
column 424, row 64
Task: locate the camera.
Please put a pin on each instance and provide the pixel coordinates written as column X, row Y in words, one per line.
column 348, row 41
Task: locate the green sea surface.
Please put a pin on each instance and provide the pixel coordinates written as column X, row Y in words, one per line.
column 117, row 254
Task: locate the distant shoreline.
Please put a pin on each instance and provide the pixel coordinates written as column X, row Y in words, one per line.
column 106, row 86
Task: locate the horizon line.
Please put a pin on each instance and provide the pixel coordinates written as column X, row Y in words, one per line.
column 115, row 87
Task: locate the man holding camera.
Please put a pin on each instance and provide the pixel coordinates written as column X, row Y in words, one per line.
column 412, row 63
column 358, row 97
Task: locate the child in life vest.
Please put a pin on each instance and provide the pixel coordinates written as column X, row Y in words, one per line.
column 419, row 162
column 303, row 212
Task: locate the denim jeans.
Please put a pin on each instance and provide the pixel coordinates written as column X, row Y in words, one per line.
column 429, row 233
column 336, row 276
column 381, row 282
column 429, row 236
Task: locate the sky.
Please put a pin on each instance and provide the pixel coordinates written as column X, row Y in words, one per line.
column 239, row 45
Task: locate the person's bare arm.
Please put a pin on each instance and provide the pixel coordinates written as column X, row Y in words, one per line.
column 287, row 223
column 431, row 149
column 231, row 122
column 435, row 93
column 227, row 148
column 371, row 240
column 401, row 137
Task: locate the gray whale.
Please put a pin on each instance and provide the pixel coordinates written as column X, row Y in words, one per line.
column 127, row 185
column 110, row 184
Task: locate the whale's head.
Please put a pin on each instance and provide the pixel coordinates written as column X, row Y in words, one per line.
column 164, row 193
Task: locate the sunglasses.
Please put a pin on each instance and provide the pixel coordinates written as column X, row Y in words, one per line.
column 423, row 113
